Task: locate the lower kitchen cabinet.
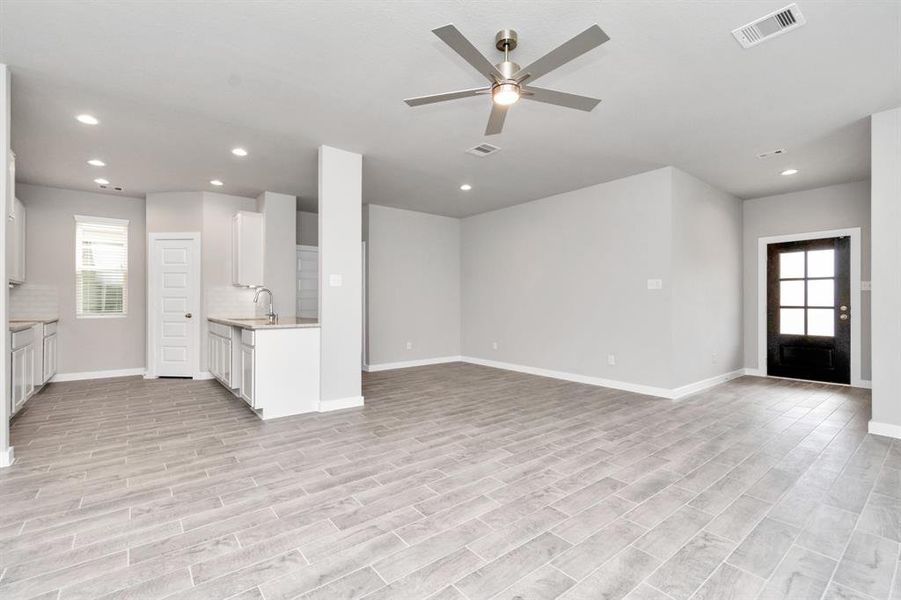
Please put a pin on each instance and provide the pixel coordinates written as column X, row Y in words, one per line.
column 33, row 361
column 274, row 370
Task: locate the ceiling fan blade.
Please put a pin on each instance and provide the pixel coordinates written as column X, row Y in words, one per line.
column 451, row 36
column 560, row 98
column 496, row 119
column 420, row 100
column 589, row 39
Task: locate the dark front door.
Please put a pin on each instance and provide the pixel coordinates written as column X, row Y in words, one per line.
column 808, row 310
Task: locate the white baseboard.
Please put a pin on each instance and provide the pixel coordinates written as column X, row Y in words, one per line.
column 203, row 375
column 697, row 386
column 754, row 372
column 340, row 403
column 886, row 429
column 637, row 388
column 863, row 383
column 8, row 457
column 422, row 362
column 96, row 375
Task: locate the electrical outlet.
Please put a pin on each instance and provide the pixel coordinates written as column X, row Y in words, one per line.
column 655, row 284
column 409, row 345
column 494, row 345
column 611, row 359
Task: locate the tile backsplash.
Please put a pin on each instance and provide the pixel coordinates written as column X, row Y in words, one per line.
column 33, row 301
column 231, row 301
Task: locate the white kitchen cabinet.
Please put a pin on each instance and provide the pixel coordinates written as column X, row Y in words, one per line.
column 10, row 184
column 247, row 374
column 21, row 378
column 247, row 249
column 17, row 379
column 50, row 352
column 15, row 243
column 220, row 358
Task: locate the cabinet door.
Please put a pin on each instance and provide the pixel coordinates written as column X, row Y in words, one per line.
column 17, row 378
column 214, row 357
column 225, row 362
column 49, row 358
column 247, row 375
column 29, row 370
column 20, row 240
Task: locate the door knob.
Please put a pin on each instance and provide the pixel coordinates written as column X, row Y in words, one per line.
column 187, row 315
column 843, row 317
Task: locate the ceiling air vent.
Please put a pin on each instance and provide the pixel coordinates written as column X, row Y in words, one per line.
column 483, row 150
column 775, row 23
column 771, row 153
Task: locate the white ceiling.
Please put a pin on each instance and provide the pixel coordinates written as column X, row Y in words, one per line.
column 177, row 84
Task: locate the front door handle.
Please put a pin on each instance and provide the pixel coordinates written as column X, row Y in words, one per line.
column 188, row 315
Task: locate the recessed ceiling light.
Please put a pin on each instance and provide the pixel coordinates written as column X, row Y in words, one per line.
column 101, row 181
column 239, row 151
column 789, row 171
column 465, row 187
column 87, row 119
column 216, row 182
column 96, row 162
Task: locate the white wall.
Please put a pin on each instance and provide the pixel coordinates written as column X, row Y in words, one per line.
column 886, row 295
column 6, row 453
column 340, row 306
column 834, row 207
column 561, row 283
column 307, row 224
column 706, row 280
column 280, row 249
column 414, row 285
column 84, row 344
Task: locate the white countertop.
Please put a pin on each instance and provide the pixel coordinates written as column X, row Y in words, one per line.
column 263, row 323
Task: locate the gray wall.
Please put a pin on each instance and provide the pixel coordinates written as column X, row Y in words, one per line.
column 85, row 344
column 307, row 224
column 561, row 282
column 833, row 207
column 170, row 212
column 706, row 280
column 414, row 285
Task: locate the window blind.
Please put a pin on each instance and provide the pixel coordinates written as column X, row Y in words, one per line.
column 101, row 267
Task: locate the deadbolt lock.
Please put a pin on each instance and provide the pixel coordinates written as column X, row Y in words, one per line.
column 843, row 308
column 188, row 315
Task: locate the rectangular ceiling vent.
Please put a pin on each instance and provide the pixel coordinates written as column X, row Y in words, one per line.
column 771, row 153
column 483, row 150
column 773, row 24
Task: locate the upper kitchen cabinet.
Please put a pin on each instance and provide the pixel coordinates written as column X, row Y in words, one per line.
column 247, row 249
column 15, row 228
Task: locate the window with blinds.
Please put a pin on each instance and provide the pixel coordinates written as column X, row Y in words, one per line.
column 101, row 267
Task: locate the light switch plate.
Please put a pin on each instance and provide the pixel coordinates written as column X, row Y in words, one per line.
column 335, row 280
column 655, row 284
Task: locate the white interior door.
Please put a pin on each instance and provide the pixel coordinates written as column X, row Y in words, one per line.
column 176, row 306
column 308, row 282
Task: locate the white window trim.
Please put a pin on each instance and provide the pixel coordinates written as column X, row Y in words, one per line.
column 106, row 221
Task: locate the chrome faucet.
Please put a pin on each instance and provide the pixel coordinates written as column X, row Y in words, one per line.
column 270, row 314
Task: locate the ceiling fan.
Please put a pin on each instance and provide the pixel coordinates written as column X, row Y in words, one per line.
column 509, row 82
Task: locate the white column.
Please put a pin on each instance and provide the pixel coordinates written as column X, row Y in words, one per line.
column 340, row 278
column 886, row 266
column 6, row 451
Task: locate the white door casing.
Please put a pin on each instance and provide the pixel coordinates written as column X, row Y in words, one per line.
column 173, row 288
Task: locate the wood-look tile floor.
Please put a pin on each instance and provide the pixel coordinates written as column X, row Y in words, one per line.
column 454, row 482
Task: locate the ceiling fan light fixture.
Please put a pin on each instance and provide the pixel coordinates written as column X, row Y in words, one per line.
column 505, row 94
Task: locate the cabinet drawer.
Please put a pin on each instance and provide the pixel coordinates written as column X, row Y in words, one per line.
column 220, row 330
column 247, row 337
column 50, row 328
column 20, row 339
